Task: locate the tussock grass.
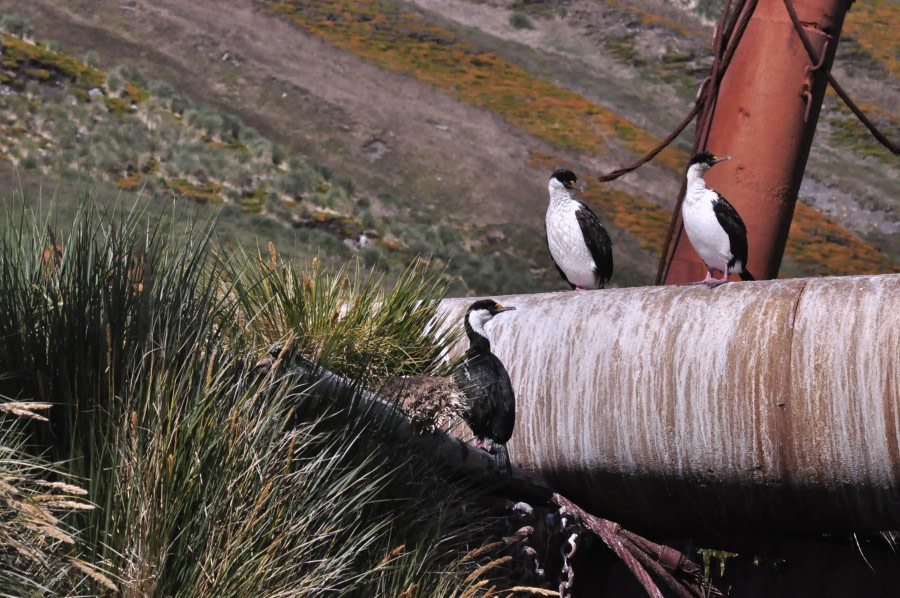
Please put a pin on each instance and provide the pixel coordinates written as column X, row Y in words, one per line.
column 34, row 542
column 344, row 318
column 208, row 476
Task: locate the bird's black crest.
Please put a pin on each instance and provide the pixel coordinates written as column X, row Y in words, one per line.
column 566, row 177
column 706, row 157
column 488, row 304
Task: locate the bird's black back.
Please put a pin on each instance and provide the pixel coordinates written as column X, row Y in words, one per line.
column 491, row 402
column 734, row 227
column 598, row 242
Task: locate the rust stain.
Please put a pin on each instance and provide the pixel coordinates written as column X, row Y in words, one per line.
column 782, row 412
column 892, row 417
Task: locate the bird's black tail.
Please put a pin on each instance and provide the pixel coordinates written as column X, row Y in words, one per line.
column 745, row 275
column 501, row 454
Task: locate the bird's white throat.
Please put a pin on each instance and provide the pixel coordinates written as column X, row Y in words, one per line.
column 558, row 192
column 477, row 319
column 695, row 181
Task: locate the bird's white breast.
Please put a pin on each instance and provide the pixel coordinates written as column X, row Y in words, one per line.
column 707, row 236
column 567, row 245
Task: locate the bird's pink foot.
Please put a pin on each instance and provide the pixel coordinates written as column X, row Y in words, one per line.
column 714, row 282
column 707, row 281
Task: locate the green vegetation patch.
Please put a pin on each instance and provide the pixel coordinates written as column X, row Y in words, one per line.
column 23, row 61
column 145, row 136
column 848, row 131
column 402, row 41
column 202, row 192
column 539, row 8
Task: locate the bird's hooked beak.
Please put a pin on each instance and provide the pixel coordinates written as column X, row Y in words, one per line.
column 507, row 308
column 717, row 159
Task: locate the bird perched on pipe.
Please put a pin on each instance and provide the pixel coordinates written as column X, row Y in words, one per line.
column 490, row 405
column 579, row 245
column 713, row 226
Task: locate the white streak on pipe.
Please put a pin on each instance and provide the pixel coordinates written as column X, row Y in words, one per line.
column 788, row 387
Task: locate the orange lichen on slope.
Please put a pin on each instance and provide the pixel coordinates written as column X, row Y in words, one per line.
column 651, row 19
column 873, row 24
column 816, row 240
column 404, row 42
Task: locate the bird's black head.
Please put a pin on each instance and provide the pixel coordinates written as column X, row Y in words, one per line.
column 478, row 314
column 490, row 306
column 566, row 177
column 707, row 159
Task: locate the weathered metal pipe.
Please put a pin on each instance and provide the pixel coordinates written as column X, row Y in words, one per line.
column 765, row 118
column 748, row 407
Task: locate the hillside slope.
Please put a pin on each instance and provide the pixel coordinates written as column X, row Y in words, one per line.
column 445, row 161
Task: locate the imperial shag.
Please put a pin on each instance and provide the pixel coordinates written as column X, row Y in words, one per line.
column 579, row 245
column 490, row 407
column 713, row 226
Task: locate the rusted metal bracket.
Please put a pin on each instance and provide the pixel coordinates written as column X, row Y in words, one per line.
column 838, row 89
column 808, row 82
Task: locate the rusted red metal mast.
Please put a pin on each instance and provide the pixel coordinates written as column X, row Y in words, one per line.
column 765, row 118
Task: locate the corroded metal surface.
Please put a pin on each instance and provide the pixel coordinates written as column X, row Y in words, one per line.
column 765, row 118
column 688, row 408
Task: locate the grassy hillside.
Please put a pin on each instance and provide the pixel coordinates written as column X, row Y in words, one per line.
column 400, row 40
column 68, row 120
column 361, row 183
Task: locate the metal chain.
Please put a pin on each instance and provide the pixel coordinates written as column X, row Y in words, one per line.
column 567, row 550
column 568, row 572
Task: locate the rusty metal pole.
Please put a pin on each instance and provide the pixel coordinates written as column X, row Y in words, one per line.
column 765, row 118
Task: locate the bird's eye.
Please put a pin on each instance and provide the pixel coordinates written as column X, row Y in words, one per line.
column 498, row 306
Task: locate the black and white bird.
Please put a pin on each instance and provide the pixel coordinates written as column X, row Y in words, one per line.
column 579, row 245
column 490, row 408
column 713, row 226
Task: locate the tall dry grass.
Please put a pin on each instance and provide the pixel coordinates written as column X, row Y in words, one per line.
column 209, row 477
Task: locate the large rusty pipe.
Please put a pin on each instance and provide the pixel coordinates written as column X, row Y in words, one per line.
column 748, row 407
column 765, row 120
